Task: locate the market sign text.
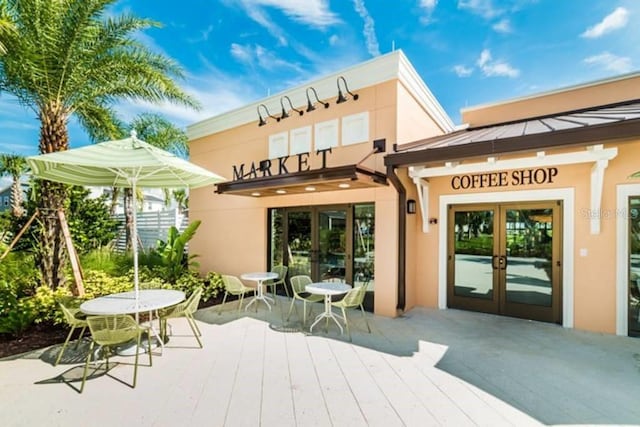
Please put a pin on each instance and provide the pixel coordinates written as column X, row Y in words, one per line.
column 279, row 166
column 504, row 179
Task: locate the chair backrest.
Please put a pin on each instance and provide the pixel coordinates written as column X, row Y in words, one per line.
column 232, row 284
column 69, row 309
column 298, row 283
column 109, row 330
column 354, row 297
column 191, row 304
column 281, row 270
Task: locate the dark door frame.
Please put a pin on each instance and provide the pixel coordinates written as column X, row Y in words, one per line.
column 498, row 303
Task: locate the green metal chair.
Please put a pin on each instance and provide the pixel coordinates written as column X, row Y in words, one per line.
column 298, row 284
column 109, row 331
column 352, row 299
column 184, row 309
column 234, row 286
column 281, row 270
column 75, row 319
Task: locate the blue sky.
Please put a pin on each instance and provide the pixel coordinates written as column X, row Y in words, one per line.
column 468, row 52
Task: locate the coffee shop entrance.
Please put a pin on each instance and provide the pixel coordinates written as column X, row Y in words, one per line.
column 505, row 258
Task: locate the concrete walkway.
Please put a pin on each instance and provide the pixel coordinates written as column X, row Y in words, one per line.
column 428, row 367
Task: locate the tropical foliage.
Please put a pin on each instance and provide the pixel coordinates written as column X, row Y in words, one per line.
column 76, row 58
column 14, row 166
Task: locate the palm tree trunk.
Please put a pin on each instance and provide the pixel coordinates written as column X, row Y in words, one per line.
column 127, row 200
column 16, row 198
column 52, row 256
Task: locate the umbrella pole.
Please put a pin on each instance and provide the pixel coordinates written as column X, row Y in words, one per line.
column 134, row 246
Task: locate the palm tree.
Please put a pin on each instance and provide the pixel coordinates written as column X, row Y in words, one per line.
column 14, row 165
column 6, row 27
column 74, row 58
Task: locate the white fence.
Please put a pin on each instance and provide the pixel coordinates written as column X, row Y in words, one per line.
column 152, row 226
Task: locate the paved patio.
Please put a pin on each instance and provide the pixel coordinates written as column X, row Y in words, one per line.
column 428, row 367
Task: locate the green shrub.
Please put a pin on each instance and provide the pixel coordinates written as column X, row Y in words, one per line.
column 99, row 283
column 213, row 285
column 44, row 304
column 106, row 259
column 16, row 314
column 20, row 270
column 188, row 282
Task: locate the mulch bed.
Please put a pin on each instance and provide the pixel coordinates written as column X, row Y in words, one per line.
column 45, row 335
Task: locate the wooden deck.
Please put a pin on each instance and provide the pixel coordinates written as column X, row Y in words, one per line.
column 428, row 367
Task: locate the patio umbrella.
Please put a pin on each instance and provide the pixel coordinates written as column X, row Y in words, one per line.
column 129, row 163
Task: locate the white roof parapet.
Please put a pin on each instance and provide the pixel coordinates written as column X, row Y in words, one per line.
column 393, row 65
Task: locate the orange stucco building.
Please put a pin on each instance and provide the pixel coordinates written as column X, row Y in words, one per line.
column 526, row 210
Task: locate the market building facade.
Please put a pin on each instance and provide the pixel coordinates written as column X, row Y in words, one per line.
column 529, row 210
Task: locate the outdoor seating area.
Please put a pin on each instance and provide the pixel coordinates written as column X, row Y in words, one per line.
column 427, row 367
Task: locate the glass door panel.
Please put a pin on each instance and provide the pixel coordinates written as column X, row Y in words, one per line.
column 634, row 267
column 299, row 245
column 332, row 244
column 472, row 259
column 529, row 239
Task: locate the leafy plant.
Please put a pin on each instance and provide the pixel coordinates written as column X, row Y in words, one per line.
column 172, row 260
column 16, row 314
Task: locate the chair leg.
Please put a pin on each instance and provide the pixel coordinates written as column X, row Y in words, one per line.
column 80, row 337
column 293, row 301
column 64, row 345
column 149, row 344
column 223, row 301
column 365, row 318
column 194, row 327
column 346, row 322
column 86, row 366
column 135, row 364
column 240, row 303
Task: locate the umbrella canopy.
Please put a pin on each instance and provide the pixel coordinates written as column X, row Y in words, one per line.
column 127, row 162
column 121, row 163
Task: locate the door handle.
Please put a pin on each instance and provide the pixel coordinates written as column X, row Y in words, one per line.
column 493, row 262
column 503, row 262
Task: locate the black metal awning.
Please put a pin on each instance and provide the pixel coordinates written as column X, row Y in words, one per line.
column 327, row 179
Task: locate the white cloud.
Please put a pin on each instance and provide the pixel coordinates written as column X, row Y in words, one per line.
column 262, row 57
column 462, row 71
column 428, row 7
column 502, row 26
column 314, row 13
column 615, row 20
column 333, row 40
column 610, row 62
column 495, row 68
column 485, row 56
column 369, row 30
column 484, row 8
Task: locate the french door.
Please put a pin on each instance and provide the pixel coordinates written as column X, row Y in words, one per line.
column 318, row 242
column 505, row 259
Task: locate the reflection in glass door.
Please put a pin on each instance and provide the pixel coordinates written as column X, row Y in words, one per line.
column 332, row 244
column 505, row 259
column 327, row 243
column 634, row 267
column 298, row 243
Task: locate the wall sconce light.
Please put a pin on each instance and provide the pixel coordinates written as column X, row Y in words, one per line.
column 263, row 120
column 341, row 97
column 411, row 206
column 310, row 106
column 284, row 112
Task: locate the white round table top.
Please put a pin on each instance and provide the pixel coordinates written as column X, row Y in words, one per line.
column 328, row 288
column 125, row 302
column 259, row 276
